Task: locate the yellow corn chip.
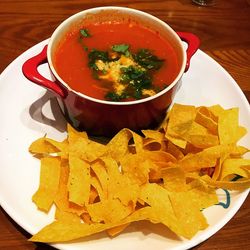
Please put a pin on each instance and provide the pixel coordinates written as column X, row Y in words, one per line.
column 66, row 216
column 61, row 198
column 200, row 137
column 239, row 184
column 201, row 194
column 136, row 168
column 177, row 141
column 188, row 213
column 166, row 176
column 49, row 182
column 116, row 230
column 232, row 167
column 180, row 120
column 101, row 174
column 97, row 186
column 216, row 110
column 228, row 127
column 204, row 159
column 60, row 231
column 79, row 181
column 207, row 119
column 174, row 179
column 108, row 211
column 118, row 146
column 47, row 146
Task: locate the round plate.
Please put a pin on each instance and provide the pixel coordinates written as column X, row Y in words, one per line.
column 28, row 112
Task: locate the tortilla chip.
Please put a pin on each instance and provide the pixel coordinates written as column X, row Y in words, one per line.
column 116, row 230
column 200, row 137
column 61, row 199
column 86, row 149
column 108, row 211
column 49, row 182
column 179, row 142
column 240, row 184
column 174, row 179
column 233, row 167
column 66, row 216
column 180, row 120
column 136, row 167
column 228, row 127
column 101, row 174
column 188, row 213
column 166, row 176
column 118, row 146
column 204, row 159
column 207, row 119
column 47, row 146
column 61, row 231
column 201, row 194
column 216, row 110
column 79, row 181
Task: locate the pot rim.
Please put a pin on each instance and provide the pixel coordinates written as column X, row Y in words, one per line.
column 135, row 11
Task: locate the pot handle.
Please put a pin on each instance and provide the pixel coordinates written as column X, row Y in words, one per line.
column 30, row 71
column 193, row 43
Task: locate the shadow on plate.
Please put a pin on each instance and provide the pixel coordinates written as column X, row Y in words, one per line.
column 39, row 112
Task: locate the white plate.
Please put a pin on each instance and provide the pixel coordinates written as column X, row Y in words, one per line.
column 28, row 112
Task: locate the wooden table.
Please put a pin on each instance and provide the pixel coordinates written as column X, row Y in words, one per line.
column 224, row 30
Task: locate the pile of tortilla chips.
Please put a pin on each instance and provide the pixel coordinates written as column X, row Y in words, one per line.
column 164, row 176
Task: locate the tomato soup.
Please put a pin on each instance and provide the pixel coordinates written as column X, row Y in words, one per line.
column 116, row 61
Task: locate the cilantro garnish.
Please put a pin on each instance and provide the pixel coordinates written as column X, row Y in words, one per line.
column 95, row 55
column 112, row 96
column 136, row 77
column 85, row 33
column 147, row 60
column 121, row 48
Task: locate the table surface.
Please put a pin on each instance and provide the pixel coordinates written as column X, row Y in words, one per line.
column 224, row 30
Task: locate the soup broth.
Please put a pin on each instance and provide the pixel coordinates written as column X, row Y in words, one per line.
column 116, row 61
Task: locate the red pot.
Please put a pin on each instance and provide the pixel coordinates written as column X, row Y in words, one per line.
column 99, row 117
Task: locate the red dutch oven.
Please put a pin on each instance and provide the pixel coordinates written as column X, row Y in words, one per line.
column 105, row 118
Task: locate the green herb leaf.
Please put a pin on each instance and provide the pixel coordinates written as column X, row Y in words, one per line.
column 85, row 33
column 95, row 55
column 112, row 96
column 121, row 48
column 147, row 60
column 137, row 77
